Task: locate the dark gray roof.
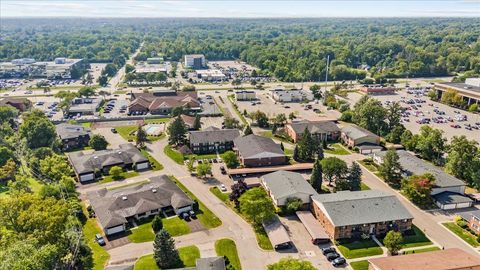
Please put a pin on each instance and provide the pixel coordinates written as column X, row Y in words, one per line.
column 283, row 184
column 87, row 163
column 462, row 86
column 315, row 127
column 469, row 214
column 361, row 207
column 211, row 263
column 213, row 135
column 448, row 197
column 68, row 131
column 277, row 234
column 254, row 146
column 113, row 207
column 414, row 165
column 355, row 132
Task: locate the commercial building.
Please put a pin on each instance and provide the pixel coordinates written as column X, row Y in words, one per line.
column 21, row 104
column 279, row 94
column 195, row 61
column 150, row 68
column 449, row 259
column 60, row 68
column 212, row 140
column 353, row 214
column 72, row 136
column 258, row 151
column 85, row 106
column 447, row 192
column 88, row 166
column 470, row 90
column 211, row 75
column 355, row 136
column 154, row 60
column 157, row 103
column 473, row 220
column 320, row 130
column 378, row 89
column 245, row 95
column 114, row 208
column 284, row 185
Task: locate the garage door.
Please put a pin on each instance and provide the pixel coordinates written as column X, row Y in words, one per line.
column 142, row 166
column 448, row 206
column 464, row 205
column 87, row 177
column 114, row 230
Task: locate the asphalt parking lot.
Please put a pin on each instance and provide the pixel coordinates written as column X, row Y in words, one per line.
column 426, row 110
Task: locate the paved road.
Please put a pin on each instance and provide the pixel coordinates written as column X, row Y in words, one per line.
column 234, row 227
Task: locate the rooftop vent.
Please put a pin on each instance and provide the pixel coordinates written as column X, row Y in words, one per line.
column 124, row 197
column 154, row 190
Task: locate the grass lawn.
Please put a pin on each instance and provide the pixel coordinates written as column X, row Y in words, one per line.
column 157, row 120
column 201, row 157
column 422, row 250
column 288, row 152
column 416, row 240
column 337, row 149
column 262, row 238
column 173, row 154
column 188, row 255
column 269, row 134
column 144, row 232
column 368, row 163
column 462, row 233
column 359, row 249
column 34, row 185
column 206, row 217
column 364, row 186
column 224, row 197
column 227, row 248
column 359, row 265
column 156, row 166
column 87, row 124
column 100, row 255
column 128, row 133
column 124, row 175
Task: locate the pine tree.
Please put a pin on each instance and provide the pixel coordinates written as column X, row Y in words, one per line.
column 354, row 177
column 141, row 137
column 282, row 146
column 324, row 144
column 306, row 146
column 197, row 124
column 164, row 252
column 320, row 154
column 248, row 130
column 391, row 169
column 177, row 132
column 295, row 153
column 157, row 223
column 316, row 178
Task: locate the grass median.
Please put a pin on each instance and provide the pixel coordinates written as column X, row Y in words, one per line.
column 359, row 248
column 462, row 233
column 226, row 247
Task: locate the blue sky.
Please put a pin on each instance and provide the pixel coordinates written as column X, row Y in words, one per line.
column 229, row 9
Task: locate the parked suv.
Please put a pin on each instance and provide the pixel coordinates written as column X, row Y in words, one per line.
column 99, row 239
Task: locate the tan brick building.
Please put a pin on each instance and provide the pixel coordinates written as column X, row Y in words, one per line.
column 348, row 214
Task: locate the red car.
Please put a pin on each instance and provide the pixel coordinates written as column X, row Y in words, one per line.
column 455, row 126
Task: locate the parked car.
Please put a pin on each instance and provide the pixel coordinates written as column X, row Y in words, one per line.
column 185, row 216
column 113, row 130
column 222, row 170
column 223, row 188
column 99, row 239
column 339, row 262
column 192, row 214
column 332, row 256
column 327, row 250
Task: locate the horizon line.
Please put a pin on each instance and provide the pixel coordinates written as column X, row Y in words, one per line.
column 282, row 17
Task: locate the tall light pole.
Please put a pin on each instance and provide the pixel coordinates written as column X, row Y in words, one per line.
column 326, row 73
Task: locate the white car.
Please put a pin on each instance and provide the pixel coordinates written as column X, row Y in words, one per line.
column 223, row 188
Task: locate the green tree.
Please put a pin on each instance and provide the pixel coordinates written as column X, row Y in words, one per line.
column 256, row 205
column 98, row 142
column 407, row 140
column 204, row 169
column 197, row 123
column 316, row 178
column 473, row 107
column 140, row 137
column 230, row 159
column 463, row 155
column 293, row 204
column 292, row 116
column 86, row 91
column 5, row 155
column 390, row 169
column 395, row 135
column 116, row 172
column 129, row 68
column 177, row 111
column 280, row 119
column 306, row 146
column 164, row 252
column 37, row 130
column 157, row 224
column 418, row 189
column 260, row 118
column 231, row 122
column 393, row 242
column 394, row 115
column 296, row 154
column 102, row 80
column 7, row 170
column 370, row 114
column 7, row 113
column 55, row 167
column 431, row 144
column 177, row 132
column 291, row 264
column 334, row 169
column 248, row 130
column 354, row 177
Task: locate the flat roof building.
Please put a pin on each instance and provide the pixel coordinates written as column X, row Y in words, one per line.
column 470, row 90
column 449, row 259
column 60, row 68
column 195, row 61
